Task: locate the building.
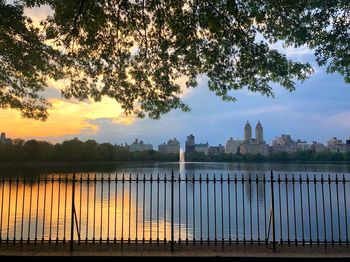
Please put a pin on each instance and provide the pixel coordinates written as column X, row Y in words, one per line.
column 318, row 147
column 336, row 146
column 254, row 146
column 216, row 150
column 189, row 145
column 303, row 145
column 140, row 146
column 204, row 148
column 284, row 143
column 232, row 146
column 172, row 147
column 4, row 140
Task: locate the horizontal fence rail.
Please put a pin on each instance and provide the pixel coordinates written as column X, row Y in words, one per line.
column 176, row 209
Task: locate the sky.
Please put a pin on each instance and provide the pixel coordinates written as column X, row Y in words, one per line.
column 316, row 111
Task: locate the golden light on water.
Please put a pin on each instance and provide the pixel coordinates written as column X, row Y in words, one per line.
column 106, row 214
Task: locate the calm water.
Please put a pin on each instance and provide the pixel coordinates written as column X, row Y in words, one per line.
column 142, row 210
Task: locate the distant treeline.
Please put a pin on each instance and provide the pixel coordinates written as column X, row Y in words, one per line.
column 90, row 150
column 274, row 157
column 75, row 150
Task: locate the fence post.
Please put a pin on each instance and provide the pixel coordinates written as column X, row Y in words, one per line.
column 72, row 217
column 172, row 210
column 273, row 213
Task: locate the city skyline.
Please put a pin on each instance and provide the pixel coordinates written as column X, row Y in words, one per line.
column 248, row 137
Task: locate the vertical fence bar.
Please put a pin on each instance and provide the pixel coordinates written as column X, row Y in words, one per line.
column 280, row 209
column 2, row 205
column 101, row 209
column 194, row 211
column 22, row 213
column 72, row 214
column 302, row 209
column 215, row 224
column 30, row 208
column 87, row 209
column 345, row 212
column 294, row 212
column 94, row 219
column 186, row 183
column 243, row 210
column 150, row 209
column 9, row 211
column 324, row 212
column 273, row 213
column 287, row 210
column 309, row 208
column 172, row 210
column 123, row 200
column 44, row 211
column 200, row 209
column 257, row 206
column 109, row 205
column 58, row 208
column 229, row 208
column 158, row 207
column 65, row 210
column 222, row 211
column 165, row 200
column 137, row 206
column 331, row 207
column 208, row 222
column 116, row 205
column 179, row 209
column 316, row 211
column 80, row 202
column 236, row 208
column 15, row 218
column 250, row 210
column 338, row 213
column 265, row 212
column 130, row 188
column 51, row 206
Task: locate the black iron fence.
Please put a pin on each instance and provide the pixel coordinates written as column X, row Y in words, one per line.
column 176, row 209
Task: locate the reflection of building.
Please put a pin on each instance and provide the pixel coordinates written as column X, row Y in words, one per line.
column 189, row 147
column 172, row 147
column 232, row 146
column 140, row 146
column 257, row 145
column 4, row 140
column 216, row 150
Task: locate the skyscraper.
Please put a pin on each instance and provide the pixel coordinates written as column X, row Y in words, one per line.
column 189, row 146
column 247, row 133
column 254, row 146
column 259, row 135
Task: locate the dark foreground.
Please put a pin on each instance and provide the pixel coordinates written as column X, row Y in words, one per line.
column 163, row 253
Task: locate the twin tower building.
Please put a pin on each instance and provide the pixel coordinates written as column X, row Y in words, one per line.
column 249, row 145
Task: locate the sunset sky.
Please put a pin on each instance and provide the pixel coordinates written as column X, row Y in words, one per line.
column 317, row 110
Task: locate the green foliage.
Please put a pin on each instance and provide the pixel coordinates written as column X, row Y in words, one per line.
column 74, row 151
column 136, row 51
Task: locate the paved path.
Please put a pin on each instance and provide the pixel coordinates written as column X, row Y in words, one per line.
column 180, row 251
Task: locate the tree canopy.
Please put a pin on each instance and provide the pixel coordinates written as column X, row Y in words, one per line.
column 136, row 51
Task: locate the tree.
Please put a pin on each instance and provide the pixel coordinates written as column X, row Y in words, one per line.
column 136, row 51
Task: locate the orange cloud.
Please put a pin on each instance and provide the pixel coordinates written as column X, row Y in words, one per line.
column 66, row 118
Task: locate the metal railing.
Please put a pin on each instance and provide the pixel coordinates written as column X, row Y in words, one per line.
column 175, row 210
